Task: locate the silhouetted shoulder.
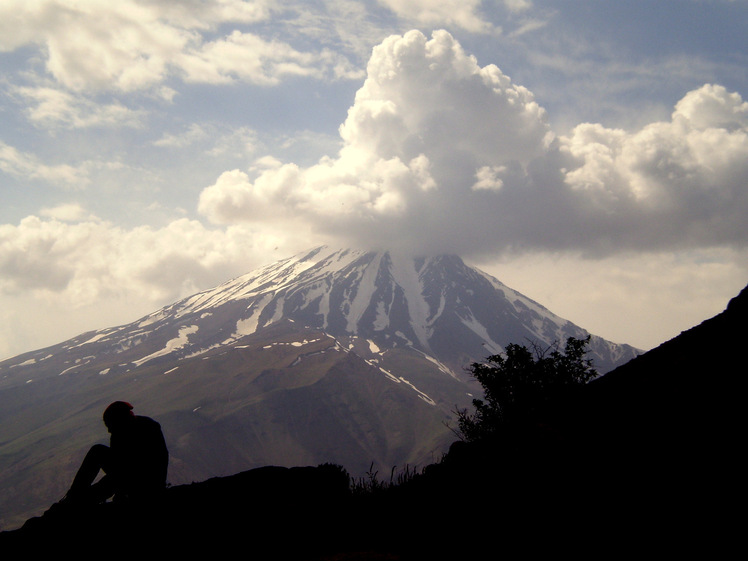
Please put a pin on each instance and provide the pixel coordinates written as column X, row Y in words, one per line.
column 147, row 421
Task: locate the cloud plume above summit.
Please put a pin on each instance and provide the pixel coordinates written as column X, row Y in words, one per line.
column 440, row 155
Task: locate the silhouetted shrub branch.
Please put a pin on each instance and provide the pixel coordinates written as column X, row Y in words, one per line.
column 518, row 382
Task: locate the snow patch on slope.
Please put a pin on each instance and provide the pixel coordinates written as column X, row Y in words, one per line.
column 249, row 325
column 365, row 288
column 172, row 345
column 479, row 329
column 401, row 380
column 405, row 275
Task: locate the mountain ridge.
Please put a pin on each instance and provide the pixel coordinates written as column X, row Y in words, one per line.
column 349, row 292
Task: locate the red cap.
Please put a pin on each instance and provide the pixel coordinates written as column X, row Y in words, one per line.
column 115, row 410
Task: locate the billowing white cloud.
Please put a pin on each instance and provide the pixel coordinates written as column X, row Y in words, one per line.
column 440, row 154
column 489, row 177
column 84, row 261
column 683, row 182
column 129, row 46
column 426, row 118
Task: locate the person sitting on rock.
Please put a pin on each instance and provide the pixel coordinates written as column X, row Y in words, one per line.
column 134, row 464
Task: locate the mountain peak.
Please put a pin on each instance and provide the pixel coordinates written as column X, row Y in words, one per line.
column 436, row 305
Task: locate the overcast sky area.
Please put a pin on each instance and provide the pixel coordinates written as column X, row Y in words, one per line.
column 591, row 154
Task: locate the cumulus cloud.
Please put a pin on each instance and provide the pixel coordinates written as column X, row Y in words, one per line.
column 131, row 46
column 72, row 257
column 677, row 183
column 420, row 123
column 440, row 154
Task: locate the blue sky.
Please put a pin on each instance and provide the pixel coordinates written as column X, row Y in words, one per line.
column 590, row 154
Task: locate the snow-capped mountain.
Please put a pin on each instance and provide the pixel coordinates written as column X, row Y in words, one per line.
column 436, row 305
column 452, row 313
column 341, row 356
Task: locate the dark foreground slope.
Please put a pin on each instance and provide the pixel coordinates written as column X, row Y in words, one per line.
column 644, row 460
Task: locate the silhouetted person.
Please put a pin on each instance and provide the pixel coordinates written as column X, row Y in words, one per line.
column 134, row 463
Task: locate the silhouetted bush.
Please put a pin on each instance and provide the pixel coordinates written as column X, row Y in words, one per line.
column 520, row 381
